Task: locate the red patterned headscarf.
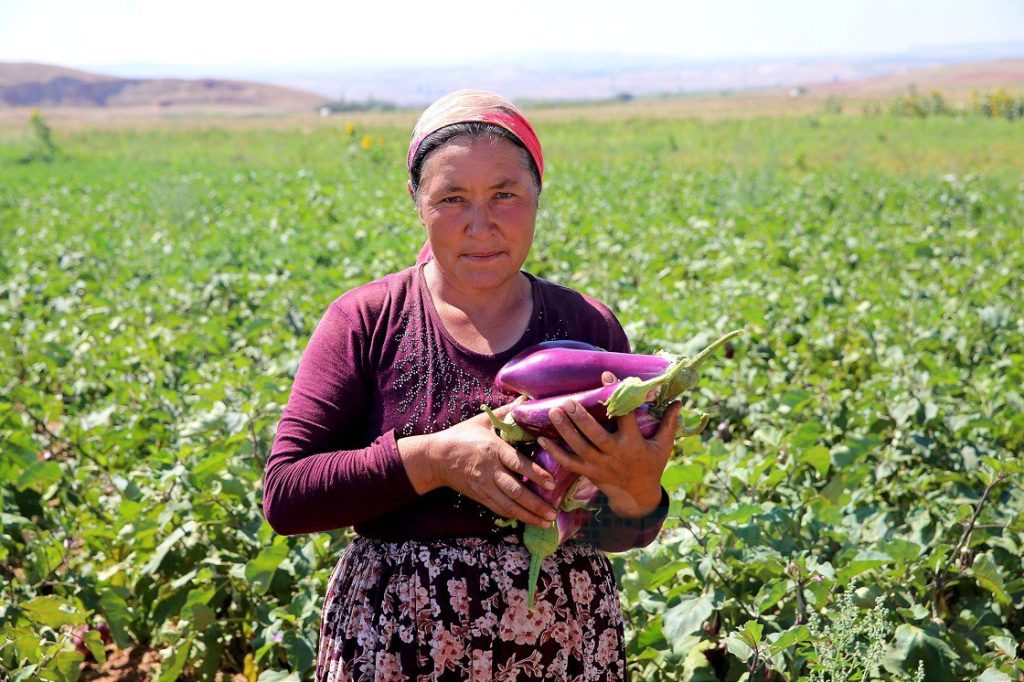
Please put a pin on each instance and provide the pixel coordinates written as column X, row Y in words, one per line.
column 474, row 106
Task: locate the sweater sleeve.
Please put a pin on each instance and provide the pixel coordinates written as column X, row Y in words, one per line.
column 312, row 482
column 613, row 533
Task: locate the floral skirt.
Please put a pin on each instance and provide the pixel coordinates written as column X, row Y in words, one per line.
column 456, row 609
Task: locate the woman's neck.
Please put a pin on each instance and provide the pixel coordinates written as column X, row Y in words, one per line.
column 485, row 321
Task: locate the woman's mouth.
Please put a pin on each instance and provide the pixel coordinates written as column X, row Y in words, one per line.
column 483, row 256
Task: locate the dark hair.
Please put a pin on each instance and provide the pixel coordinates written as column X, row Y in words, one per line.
column 473, row 130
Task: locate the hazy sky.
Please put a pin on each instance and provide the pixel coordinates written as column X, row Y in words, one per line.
column 226, row 35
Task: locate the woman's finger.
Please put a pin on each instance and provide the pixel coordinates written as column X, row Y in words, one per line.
column 520, row 500
column 585, row 423
column 524, row 466
column 608, row 378
column 567, row 459
column 628, row 427
column 666, row 434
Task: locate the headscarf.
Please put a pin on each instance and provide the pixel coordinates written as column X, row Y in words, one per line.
column 473, row 106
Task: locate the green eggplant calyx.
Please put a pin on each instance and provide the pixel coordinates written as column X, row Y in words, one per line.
column 509, row 431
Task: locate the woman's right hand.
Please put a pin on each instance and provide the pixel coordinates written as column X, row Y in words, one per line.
column 471, row 459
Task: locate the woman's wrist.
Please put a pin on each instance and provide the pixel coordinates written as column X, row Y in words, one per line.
column 417, row 457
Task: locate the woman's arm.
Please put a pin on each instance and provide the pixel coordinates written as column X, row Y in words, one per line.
column 312, row 481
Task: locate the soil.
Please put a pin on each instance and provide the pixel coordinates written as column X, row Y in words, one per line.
column 135, row 664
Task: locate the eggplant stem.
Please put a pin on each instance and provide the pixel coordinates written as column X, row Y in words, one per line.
column 510, row 432
column 541, row 543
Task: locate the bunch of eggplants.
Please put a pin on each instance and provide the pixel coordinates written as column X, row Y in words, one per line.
column 550, row 373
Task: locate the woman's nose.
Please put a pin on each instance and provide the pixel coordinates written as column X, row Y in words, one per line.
column 480, row 219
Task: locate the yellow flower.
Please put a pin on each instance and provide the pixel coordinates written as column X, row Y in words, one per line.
column 350, row 129
column 367, row 141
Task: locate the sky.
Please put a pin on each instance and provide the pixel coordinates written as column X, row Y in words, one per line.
column 221, row 37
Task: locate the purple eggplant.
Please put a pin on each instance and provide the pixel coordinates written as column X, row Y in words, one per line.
column 545, row 372
column 532, row 415
column 563, row 478
column 529, row 419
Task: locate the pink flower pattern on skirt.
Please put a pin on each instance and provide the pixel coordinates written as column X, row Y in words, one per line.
column 456, row 610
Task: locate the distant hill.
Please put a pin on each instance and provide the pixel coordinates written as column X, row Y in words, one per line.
column 954, row 79
column 43, row 85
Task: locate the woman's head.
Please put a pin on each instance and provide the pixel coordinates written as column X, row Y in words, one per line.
column 475, row 171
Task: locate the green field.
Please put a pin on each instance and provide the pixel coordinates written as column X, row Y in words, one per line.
column 157, row 288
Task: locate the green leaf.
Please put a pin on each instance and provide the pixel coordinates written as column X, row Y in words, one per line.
column 260, row 570
column 53, row 611
column 738, row 648
column 172, row 665
column 817, row 457
column 742, row 513
column 990, row 576
column 865, row 560
column 1003, row 646
column 38, row 475
column 792, row 636
column 751, row 633
column 94, row 642
column 687, row 616
column 153, row 565
column 912, row 644
column 66, row 664
column 993, row 675
column 770, row 594
column 678, row 476
column 807, row 435
column 903, row 551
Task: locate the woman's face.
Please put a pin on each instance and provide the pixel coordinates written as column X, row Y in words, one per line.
column 479, row 205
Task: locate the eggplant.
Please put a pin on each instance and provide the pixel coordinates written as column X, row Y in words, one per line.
column 532, row 416
column 564, row 478
column 529, row 419
column 546, row 372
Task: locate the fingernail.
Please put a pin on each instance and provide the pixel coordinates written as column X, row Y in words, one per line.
column 556, row 416
column 551, row 516
column 549, row 484
column 570, row 407
column 543, row 442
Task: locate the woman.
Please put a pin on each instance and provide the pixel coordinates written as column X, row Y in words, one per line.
column 383, row 432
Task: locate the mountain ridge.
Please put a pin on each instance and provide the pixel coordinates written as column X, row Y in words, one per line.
column 30, row 84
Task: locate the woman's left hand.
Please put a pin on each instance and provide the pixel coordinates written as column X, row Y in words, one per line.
column 623, row 464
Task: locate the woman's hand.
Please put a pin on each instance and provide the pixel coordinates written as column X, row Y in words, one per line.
column 471, row 459
column 623, row 464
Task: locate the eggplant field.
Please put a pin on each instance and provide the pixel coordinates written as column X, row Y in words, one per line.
column 854, row 511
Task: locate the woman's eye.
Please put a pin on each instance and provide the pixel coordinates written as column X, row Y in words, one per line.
column 504, row 195
column 451, row 200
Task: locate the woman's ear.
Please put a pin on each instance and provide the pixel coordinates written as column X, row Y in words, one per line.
column 408, row 188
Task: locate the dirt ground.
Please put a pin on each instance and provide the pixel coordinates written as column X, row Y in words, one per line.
column 136, row 664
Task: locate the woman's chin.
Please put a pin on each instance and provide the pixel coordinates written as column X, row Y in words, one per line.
column 486, row 272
